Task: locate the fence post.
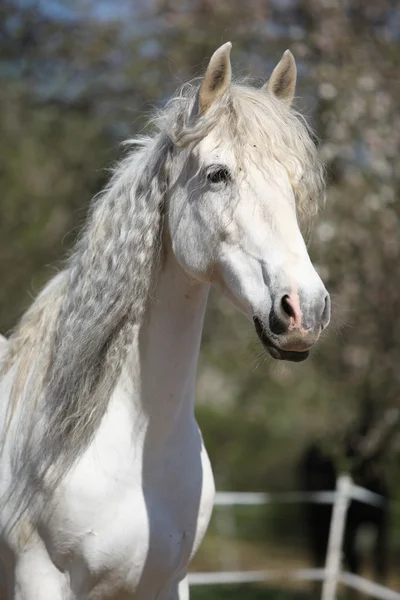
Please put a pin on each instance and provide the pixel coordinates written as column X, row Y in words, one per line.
column 334, row 554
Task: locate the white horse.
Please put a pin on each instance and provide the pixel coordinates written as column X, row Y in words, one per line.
column 106, row 488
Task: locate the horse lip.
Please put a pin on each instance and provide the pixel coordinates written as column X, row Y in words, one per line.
column 273, row 350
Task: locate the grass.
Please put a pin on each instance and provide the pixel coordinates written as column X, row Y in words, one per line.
column 249, row 592
column 243, row 592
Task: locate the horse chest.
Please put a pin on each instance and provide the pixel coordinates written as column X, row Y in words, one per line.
column 139, row 528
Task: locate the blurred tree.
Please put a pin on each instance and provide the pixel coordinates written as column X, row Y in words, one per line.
column 355, row 64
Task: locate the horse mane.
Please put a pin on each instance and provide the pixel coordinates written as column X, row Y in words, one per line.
column 69, row 347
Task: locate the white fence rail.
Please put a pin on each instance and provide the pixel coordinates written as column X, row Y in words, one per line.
column 332, row 575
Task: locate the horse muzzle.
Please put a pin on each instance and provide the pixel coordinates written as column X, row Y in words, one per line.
column 289, row 333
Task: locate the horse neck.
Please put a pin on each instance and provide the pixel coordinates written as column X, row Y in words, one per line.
column 162, row 363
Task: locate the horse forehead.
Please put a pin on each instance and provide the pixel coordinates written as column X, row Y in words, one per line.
column 263, row 175
column 215, row 147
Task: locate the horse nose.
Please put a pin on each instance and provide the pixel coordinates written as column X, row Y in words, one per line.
column 286, row 314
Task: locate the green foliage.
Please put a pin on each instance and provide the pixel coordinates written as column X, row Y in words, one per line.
column 245, row 592
column 249, row 592
column 51, row 163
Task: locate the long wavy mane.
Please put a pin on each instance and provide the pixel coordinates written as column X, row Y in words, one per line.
column 69, row 347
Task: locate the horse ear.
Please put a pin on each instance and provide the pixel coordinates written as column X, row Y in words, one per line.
column 217, row 78
column 282, row 82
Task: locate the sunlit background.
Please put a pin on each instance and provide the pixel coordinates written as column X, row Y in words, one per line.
column 80, row 76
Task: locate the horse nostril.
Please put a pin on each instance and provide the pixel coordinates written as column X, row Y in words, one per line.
column 276, row 323
column 287, row 307
column 326, row 312
column 280, row 315
column 290, row 310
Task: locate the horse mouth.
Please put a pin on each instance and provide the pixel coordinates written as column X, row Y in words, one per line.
column 273, row 350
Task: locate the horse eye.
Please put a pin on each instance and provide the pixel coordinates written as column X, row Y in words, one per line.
column 218, row 175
